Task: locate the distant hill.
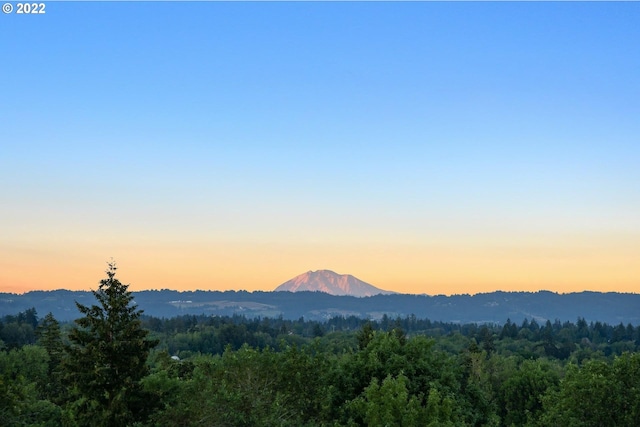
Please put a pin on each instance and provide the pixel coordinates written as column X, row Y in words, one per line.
column 496, row 307
column 331, row 283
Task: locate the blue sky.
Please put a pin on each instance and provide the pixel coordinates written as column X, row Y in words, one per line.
column 418, row 145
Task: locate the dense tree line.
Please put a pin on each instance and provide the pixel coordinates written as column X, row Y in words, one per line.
column 212, row 334
column 114, row 367
column 18, row 330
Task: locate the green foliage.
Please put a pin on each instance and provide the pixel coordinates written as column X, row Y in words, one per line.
column 247, row 387
column 477, row 388
column 50, row 338
column 235, row 371
column 520, row 396
column 23, row 373
column 107, row 359
column 391, row 404
column 388, row 404
column 597, row 394
column 18, row 330
column 174, row 394
column 408, row 372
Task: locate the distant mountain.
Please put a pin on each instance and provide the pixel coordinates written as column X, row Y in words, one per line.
column 331, row 283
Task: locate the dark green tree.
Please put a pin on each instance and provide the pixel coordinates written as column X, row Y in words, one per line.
column 390, row 404
column 19, row 330
column 107, row 359
column 23, row 372
column 365, row 335
column 486, row 338
column 520, row 396
column 597, row 394
column 50, row 338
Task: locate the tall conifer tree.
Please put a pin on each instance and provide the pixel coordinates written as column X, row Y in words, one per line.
column 50, row 337
column 107, row 358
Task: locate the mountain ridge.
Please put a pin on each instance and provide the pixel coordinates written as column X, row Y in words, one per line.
column 494, row 307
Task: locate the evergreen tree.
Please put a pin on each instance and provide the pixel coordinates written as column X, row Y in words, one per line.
column 107, row 358
column 365, row 335
column 50, row 338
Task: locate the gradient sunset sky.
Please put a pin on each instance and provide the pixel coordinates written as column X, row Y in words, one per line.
column 437, row 148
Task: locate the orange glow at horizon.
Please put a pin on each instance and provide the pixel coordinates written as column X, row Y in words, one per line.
column 609, row 265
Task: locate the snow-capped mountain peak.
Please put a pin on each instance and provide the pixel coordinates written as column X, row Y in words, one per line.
column 331, row 283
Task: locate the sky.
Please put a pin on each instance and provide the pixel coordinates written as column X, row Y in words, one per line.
column 423, row 147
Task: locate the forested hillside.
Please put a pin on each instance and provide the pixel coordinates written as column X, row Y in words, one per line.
column 493, row 307
column 115, row 366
